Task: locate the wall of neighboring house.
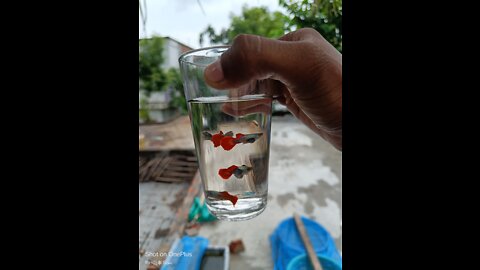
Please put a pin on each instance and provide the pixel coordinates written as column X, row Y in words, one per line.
column 172, row 51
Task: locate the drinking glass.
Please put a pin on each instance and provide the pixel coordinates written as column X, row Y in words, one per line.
column 231, row 130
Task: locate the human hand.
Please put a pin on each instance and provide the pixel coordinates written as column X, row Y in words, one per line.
column 301, row 70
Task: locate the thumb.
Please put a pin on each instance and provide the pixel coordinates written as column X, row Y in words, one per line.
column 250, row 58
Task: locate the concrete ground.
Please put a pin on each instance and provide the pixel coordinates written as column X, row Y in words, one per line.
column 304, row 177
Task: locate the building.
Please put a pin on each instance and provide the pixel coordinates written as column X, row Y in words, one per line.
column 172, row 51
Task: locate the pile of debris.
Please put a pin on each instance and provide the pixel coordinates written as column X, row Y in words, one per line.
column 166, row 166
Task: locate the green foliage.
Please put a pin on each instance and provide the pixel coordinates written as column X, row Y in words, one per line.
column 325, row 16
column 150, row 59
column 178, row 96
column 256, row 20
column 152, row 78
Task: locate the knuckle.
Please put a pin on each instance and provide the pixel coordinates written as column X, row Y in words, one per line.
column 309, row 31
column 246, row 47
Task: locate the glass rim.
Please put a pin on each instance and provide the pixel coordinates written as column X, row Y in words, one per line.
column 181, row 58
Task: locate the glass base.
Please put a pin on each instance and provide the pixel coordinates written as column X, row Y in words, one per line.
column 244, row 209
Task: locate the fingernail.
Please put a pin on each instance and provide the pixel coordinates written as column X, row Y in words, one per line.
column 214, row 72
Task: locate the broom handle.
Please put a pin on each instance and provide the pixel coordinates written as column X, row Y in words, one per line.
column 308, row 245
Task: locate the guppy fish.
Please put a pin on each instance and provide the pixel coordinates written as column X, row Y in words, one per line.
column 239, row 172
column 228, row 142
column 250, row 138
column 216, row 138
column 223, row 196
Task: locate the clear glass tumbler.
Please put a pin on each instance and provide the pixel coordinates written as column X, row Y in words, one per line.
column 231, row 130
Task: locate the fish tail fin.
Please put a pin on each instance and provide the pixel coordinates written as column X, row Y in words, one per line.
column 234, row 199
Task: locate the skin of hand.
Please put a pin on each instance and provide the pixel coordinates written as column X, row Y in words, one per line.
column 301, row 70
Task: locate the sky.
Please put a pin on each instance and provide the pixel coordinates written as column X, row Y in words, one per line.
column 184, row 20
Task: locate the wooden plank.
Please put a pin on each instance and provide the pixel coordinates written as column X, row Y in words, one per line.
column 166, row 166
column 306, row 241
column 182, row 169
column 162, row 167
column 144, row 171
column 177, row 174
column 184, row 163
column 169, row 179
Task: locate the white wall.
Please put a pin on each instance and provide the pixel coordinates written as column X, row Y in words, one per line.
column 171, row 54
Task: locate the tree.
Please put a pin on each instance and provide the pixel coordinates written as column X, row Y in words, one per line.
column 151, row 76
column 256, row 20
column 178, row 95
column 323, row 15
